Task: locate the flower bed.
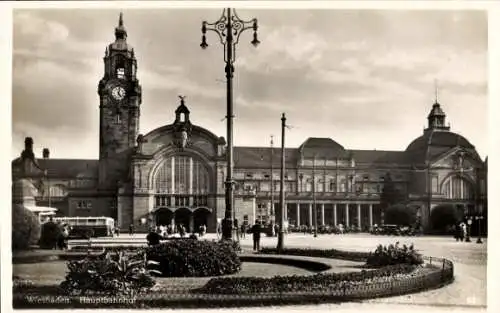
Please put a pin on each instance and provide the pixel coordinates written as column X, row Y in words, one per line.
column 250, row 285
column 320, row 253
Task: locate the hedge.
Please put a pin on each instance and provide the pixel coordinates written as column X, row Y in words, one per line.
column 195, row 258
column 25, row 228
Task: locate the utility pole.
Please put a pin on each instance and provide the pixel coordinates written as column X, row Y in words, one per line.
column 281, row 235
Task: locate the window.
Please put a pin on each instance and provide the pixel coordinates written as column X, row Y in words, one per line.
column 333, row 185
column 366, row 177
column 249, row 175
column 434, row 184
column 84, row 204
column 267, row 176
column 120, row 72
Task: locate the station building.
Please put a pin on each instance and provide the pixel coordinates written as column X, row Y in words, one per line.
column 175, row 174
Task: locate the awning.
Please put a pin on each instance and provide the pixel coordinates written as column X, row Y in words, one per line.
column 40, row 209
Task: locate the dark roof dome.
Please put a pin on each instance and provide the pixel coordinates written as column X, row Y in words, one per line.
column 435, row 142
column 322, row 148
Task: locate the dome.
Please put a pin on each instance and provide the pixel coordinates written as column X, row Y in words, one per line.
column 435, row 142
column 322, row 148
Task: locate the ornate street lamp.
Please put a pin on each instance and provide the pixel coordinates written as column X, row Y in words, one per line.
column 229, row 28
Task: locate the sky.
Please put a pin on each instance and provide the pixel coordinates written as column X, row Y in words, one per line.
column 365, row 78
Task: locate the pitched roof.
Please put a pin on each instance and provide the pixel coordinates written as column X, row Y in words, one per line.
column 70, row 168
column 322, row 148
column 260, row 157
column 379, row 156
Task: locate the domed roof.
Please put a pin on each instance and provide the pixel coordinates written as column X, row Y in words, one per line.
column 435, row 142
column 322, row 148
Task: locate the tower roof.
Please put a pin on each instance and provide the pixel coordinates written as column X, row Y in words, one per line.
column 436, row 111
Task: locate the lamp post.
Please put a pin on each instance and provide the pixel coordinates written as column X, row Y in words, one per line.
column 272, row 213
column 315, row 211
column 229, row 28
column 281, row 235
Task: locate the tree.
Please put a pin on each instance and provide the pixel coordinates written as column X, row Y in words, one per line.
column 390, row 194
column 443, row 216
column 399, row 214
column 25, row 228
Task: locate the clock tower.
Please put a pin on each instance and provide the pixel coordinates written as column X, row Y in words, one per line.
column 119, row 110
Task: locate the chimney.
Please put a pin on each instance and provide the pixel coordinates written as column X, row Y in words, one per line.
column 46, row 153
column 28, row 143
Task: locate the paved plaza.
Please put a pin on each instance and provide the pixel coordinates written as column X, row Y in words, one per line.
column 470, row 259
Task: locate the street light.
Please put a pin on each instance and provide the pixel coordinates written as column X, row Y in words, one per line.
column 229, row 28
column 315, row 212
column 281, row 234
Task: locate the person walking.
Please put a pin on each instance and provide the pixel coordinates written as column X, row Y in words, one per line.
column 131, row 230
column 243, row 230
column 256, row 230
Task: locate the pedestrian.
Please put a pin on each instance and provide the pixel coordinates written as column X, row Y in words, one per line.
column 256, row 230
column 131, row 230
column 457, row 232
column 219, row 230
column 464, row 231
column 243, row 230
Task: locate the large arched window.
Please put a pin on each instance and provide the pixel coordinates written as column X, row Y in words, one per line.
column 456, row 187
column 182, row 175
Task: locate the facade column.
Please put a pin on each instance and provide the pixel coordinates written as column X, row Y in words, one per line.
column 190, row 190
column 335, row 214
column 298, row 214
column 172, row 183
column 191, row 222
column 370, row 214
column 359, row 215
column 347, row 214
column 310, row 215
column 322, row 214
column 172, row 176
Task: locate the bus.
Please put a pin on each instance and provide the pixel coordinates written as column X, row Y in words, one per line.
column 86, row 227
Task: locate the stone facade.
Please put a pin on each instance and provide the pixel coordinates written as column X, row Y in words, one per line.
column 175, row 173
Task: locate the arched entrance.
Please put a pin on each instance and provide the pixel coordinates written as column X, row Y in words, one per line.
column 164, row 217
column 200, row 217
column 182, row 217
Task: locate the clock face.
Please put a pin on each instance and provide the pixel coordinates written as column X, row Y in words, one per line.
column 118, row 93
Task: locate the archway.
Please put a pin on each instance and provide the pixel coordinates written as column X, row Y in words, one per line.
column 164, row 217
column 182, row 217
column 200, row 217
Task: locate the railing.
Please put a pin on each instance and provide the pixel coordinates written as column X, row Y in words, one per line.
column 176, row 200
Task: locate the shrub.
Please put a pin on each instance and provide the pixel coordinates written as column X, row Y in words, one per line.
column 326, row 253
column 399, row 214
column 195, row 258
column 443, row 216
column 394, row 254
column 109, row 274
column 50, row 232
column 25, row 228
column 250, row 285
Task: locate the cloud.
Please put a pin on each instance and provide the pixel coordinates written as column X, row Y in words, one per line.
column 358, row 76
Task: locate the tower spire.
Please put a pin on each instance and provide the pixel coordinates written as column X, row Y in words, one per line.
column 435, row 91
column 120, row 32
